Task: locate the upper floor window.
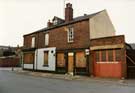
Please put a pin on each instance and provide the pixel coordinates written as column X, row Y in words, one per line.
column 46, row 39
column 33, row 42
column 70, row 34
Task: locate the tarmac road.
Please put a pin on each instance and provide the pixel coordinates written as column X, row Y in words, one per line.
column 11, row 82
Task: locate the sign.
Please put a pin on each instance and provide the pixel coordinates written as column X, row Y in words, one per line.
column 87, row 51
column 71, row 54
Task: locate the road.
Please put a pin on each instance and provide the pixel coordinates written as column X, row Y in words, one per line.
column 11, row 82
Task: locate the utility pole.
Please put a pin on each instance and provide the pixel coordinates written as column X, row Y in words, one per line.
column 64, row 8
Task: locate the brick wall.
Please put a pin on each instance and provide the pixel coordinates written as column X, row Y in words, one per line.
column 9, row 62
column 27, row 41
column 108, row 41
column 58, row 37
column 115, row 68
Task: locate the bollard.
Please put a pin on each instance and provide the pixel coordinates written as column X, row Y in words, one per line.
column 12, row 68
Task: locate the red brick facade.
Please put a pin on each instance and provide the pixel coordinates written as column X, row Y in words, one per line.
column 58, row 37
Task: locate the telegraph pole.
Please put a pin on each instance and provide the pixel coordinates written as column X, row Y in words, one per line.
column 64, row 8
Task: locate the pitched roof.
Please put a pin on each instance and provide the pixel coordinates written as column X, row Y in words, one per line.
column 57, row 18
column 76, row 19
column 4, row 47
column 132, row 45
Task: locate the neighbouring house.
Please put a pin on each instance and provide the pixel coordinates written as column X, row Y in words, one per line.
column 84, row 45
column 2, row 49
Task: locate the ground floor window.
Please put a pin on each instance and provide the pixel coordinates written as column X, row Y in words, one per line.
column 103, row 55
column 46, row 58
column 118, row 55
column 80, row 59
column 97, row 54
column 28, row 58
column 60, row 60
column 108, row 55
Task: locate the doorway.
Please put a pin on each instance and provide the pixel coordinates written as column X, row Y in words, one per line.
column 70, row 62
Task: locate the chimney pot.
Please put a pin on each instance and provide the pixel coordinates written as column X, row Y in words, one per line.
column 85, row 14
column 49, row 23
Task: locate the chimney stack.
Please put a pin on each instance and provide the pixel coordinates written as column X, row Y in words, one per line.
column 68, row 12
column 49, row 24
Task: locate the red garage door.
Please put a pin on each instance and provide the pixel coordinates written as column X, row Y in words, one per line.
column 107, row 63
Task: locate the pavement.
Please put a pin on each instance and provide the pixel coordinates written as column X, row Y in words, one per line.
column 11, row 68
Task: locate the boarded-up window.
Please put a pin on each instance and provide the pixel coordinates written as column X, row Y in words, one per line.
column 80, row 59
column 103, row 55
column 97, row 56
column 28, row 58
column 118, row 55
column 110, row 55
column 46, row 58
column 60, row 60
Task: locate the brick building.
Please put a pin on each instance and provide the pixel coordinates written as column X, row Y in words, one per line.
column 85, row 45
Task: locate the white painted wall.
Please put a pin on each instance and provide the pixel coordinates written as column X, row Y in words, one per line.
column 39, row 59
column 28, row 66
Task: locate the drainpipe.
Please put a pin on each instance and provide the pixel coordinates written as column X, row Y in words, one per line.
column 22, row 59
column 36, row 52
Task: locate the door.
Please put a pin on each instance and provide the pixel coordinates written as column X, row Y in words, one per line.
column 70, row 62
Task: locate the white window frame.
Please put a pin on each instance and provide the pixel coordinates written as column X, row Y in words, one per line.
column 46, row 39
column 70, row 35
column 33, row 42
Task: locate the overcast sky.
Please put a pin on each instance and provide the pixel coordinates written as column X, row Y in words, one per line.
column 19, row 17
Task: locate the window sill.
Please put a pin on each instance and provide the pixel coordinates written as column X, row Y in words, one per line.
column 28, row 63
column 70, row 42
column 46, row 45
column 33, row 47
column 45, row 65
column 111, row 62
